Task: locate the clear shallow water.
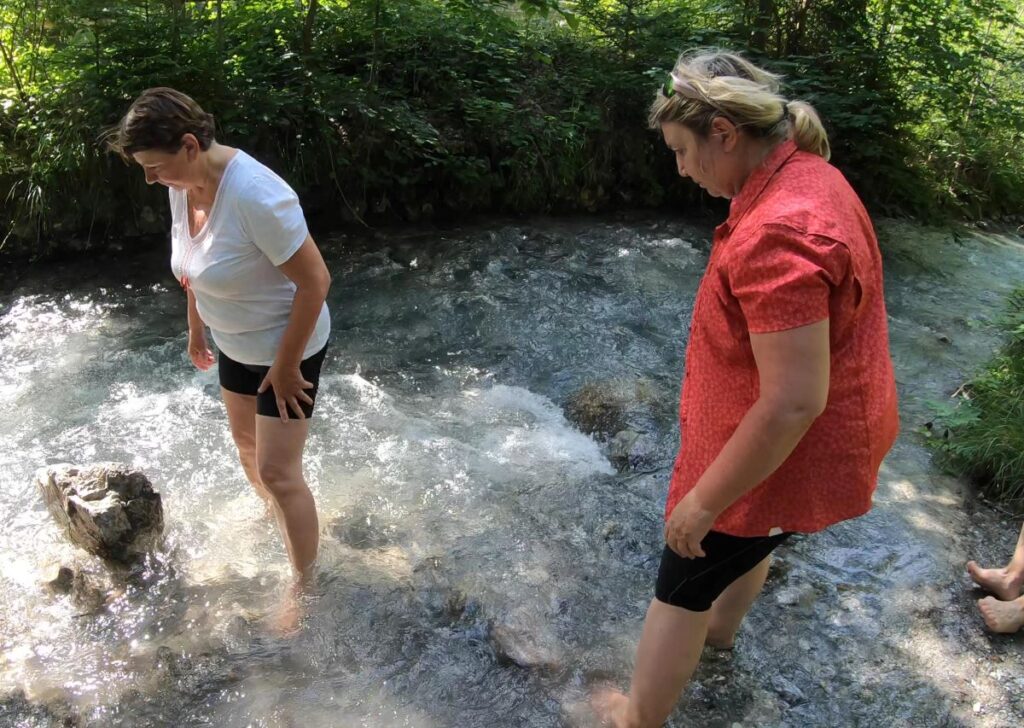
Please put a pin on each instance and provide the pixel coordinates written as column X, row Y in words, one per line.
column 467, row 525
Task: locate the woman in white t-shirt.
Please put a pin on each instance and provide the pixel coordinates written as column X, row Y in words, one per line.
column 254, row 276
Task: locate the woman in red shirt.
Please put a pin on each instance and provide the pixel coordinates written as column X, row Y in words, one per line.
column 789, row 400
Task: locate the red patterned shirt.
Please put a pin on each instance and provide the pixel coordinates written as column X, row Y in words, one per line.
column 798, row 247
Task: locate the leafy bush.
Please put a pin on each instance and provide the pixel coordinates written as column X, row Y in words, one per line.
column 984, row 437
column 379, row 110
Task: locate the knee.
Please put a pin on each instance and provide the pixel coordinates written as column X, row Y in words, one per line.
column 246, row 445
column 278, row 479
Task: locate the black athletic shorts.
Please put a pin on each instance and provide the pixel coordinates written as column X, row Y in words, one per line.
column 694, row 584
column 247, row 378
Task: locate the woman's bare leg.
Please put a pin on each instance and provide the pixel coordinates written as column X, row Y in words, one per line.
column 732, row 605
column 666, row 657
column 241, row 410
column 279, row 447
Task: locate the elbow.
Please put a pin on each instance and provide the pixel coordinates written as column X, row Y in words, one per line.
column 320, row 283
column 798, row 413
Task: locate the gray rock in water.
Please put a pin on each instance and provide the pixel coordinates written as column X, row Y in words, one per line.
column 58, row 578
column 630, row 450
column 521, row 638
column 603, row 407
column 787, row 690
column 110, row 510
column 596, row 409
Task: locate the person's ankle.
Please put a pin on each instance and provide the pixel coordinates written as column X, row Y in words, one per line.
column 634, row 718
column 1015, row 570
column 720, row 639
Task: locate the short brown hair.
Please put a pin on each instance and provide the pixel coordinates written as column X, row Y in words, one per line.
column 157, row 120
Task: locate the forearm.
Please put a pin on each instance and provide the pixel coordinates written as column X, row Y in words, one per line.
column 765, row 437
column 195, row 322
column 306, row 309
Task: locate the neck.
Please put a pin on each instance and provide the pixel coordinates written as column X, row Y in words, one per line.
column 211, row 165
column 757, row 151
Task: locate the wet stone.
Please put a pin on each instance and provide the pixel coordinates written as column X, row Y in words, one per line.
column 631, row 450
column 787, row 690
column 109, row 509
column 518, row 638
column 58, row 578
column 360, row 529
column 596, row 408
column 803, row 596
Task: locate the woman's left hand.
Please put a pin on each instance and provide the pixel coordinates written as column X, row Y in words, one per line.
column 289, row 390
column 687, row 526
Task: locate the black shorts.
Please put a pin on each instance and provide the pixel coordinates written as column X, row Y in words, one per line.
column 694, row 584
column 247, row 378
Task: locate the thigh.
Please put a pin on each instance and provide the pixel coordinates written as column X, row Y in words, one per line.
column 695, row 583
column 279, row 447
column 241, row 416
column 266, row 401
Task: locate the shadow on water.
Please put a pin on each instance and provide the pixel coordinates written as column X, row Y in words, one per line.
column 482, row 563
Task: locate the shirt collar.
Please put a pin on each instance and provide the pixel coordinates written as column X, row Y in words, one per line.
column 758, row 180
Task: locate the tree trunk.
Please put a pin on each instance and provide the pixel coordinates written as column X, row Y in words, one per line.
column 220, row 28
column 762, row 23
column 375, row 60
column 798, row 26
column 308, row 25
column 9, row 62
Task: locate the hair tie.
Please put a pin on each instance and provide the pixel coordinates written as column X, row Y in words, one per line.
column 786, row 114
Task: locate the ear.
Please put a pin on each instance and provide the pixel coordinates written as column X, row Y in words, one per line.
column 191, row 146
column 724, row 130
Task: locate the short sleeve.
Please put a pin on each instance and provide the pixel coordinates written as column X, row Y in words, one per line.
column 783, row 279
column 273, row 218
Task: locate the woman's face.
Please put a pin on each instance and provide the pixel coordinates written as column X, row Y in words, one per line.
column 707, row 161
column 171, row 169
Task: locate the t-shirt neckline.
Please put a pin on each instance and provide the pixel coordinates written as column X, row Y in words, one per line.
column 221, row 185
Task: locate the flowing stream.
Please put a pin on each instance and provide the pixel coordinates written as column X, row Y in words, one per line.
column 484, row 561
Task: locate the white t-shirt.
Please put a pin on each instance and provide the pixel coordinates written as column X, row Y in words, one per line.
column 255, row 224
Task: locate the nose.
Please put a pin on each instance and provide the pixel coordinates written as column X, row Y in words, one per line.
column 150, row 177
column 680, row 167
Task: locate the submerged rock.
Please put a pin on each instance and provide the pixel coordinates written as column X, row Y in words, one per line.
column 631, row 450
column 110, row 510
column 360, row 529
column 58, row 578
column 520, row 638
column 604, row 407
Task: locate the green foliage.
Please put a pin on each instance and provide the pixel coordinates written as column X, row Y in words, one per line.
column 407, row 109
column 984, row 427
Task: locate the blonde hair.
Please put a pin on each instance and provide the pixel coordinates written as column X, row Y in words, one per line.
column 709, row 82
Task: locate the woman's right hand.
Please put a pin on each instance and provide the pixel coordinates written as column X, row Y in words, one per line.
column 199, row 352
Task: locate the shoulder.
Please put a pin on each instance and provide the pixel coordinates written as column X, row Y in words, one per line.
column 256, row 184
column 780, row 251
column 811, row 197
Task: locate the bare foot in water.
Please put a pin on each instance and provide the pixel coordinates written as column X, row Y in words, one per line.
column 1000, row 582
column 610, row 706
column 287, row 619
column 1002, row 617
